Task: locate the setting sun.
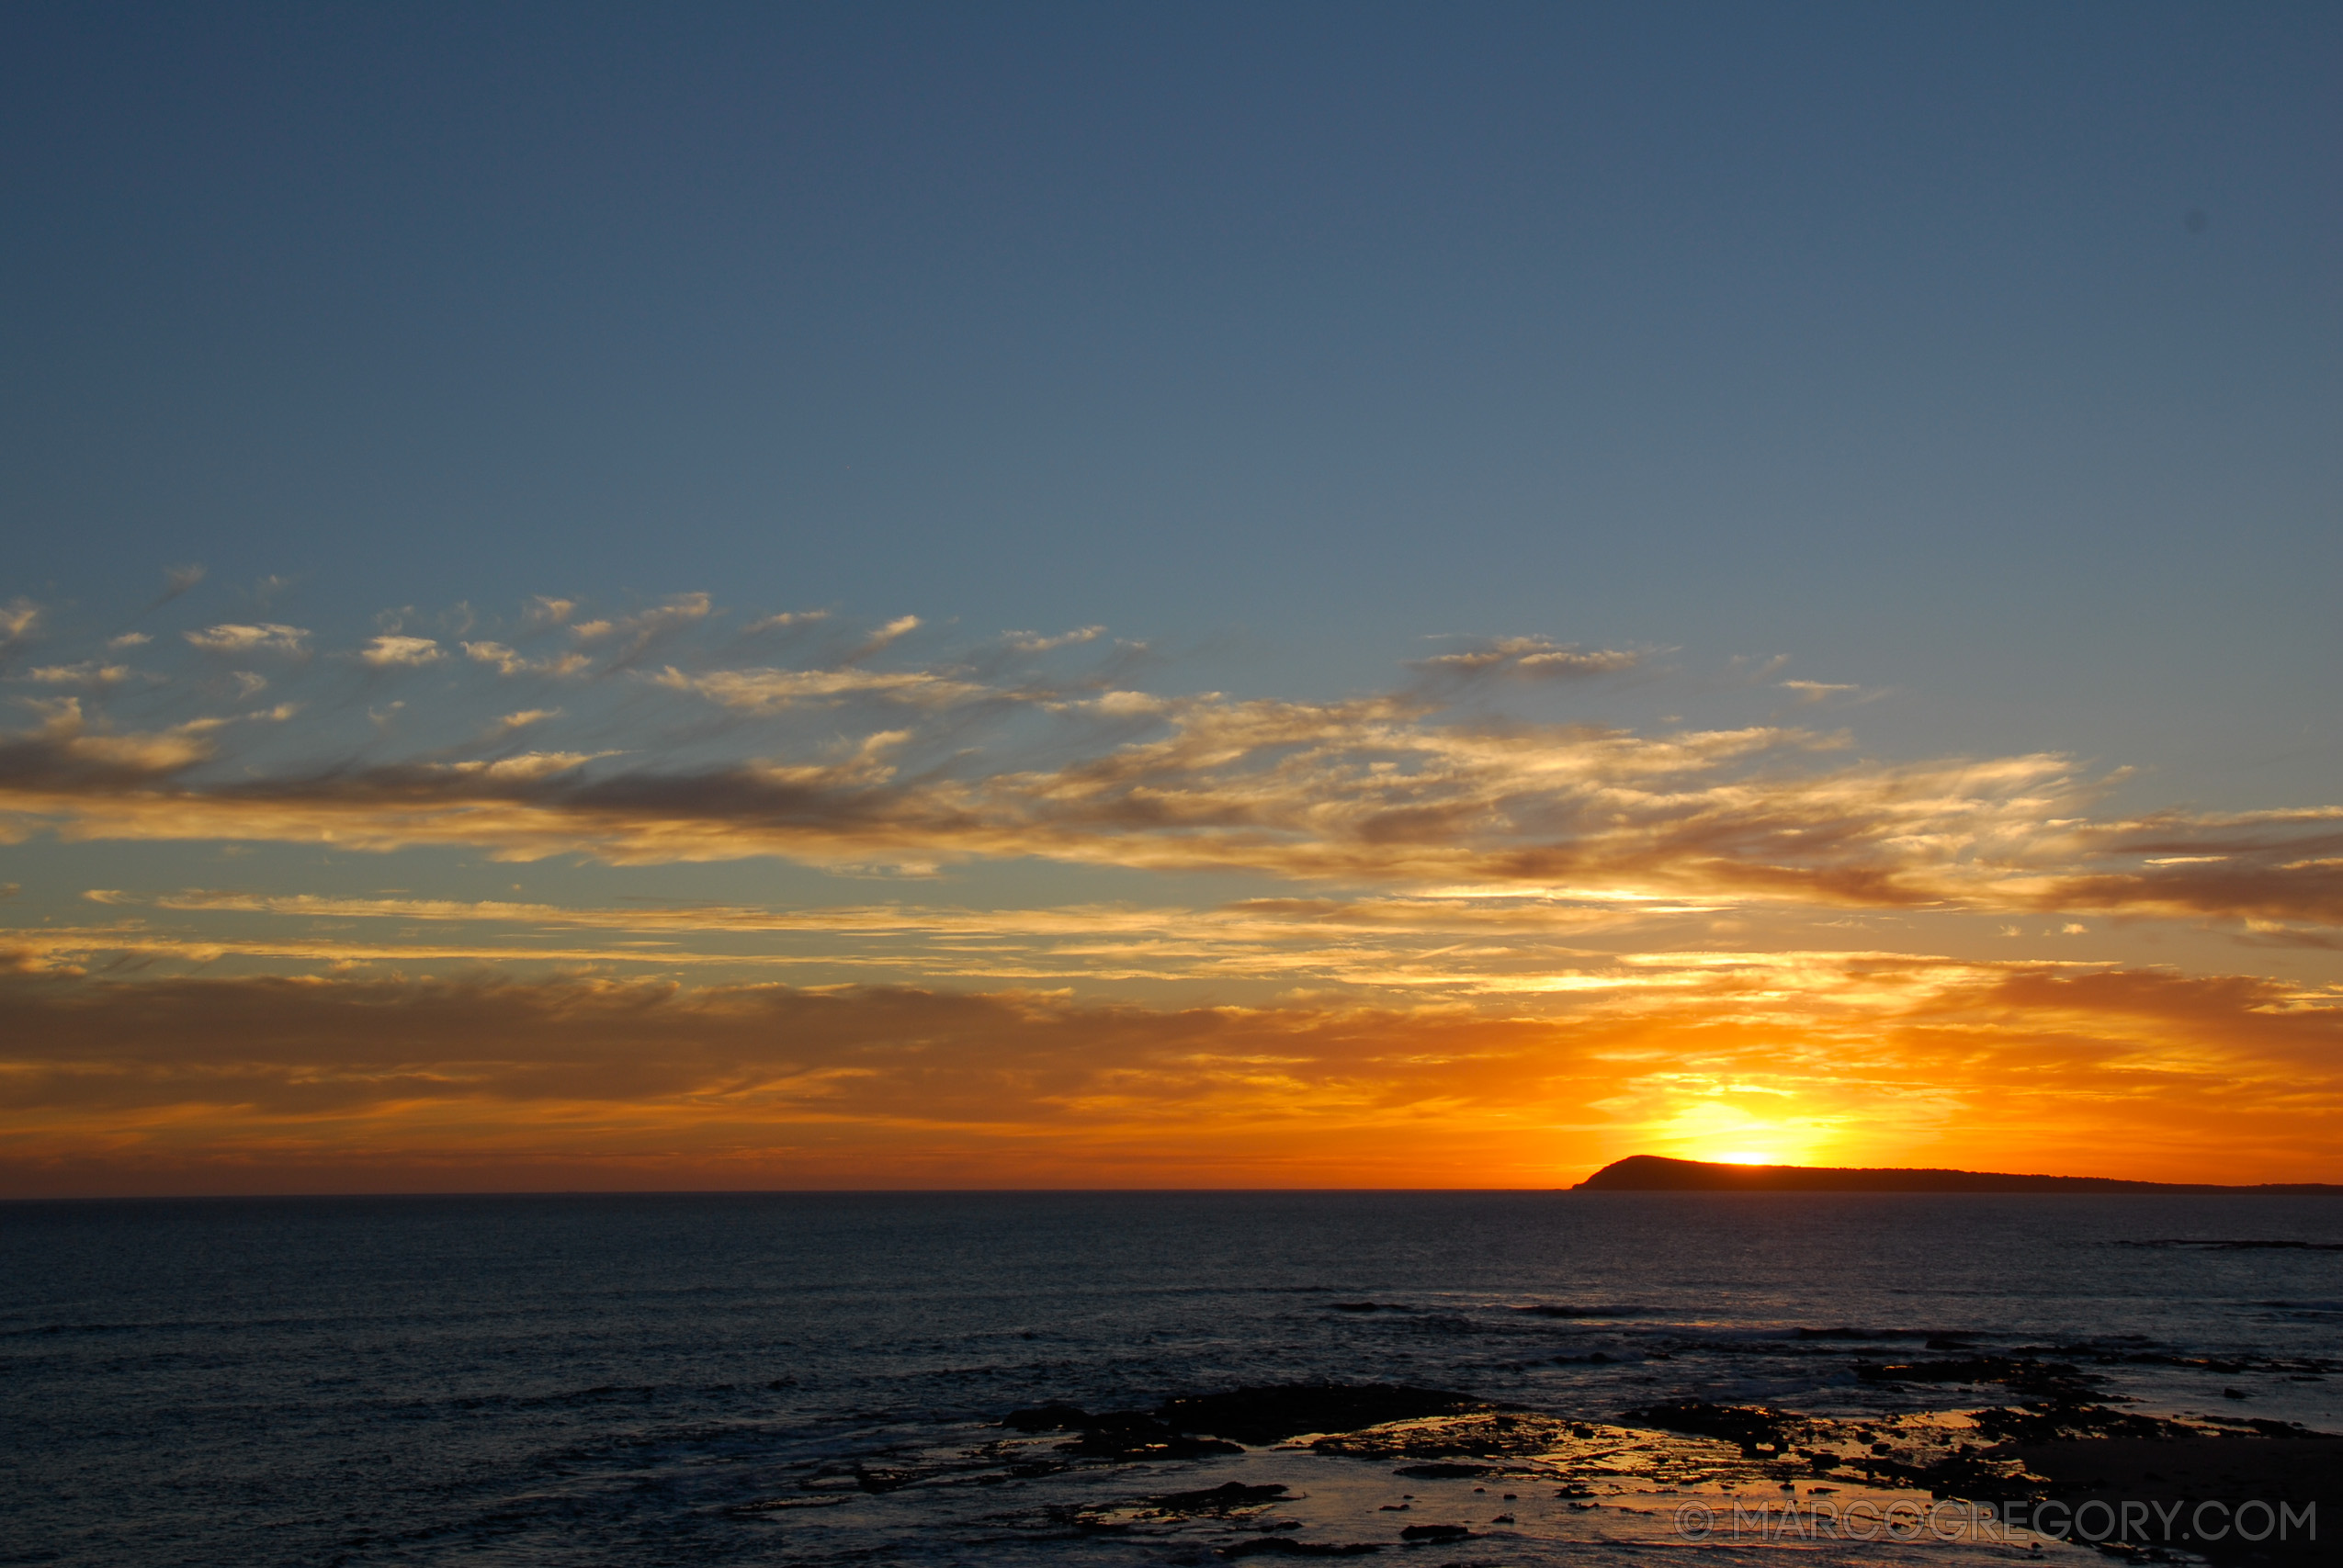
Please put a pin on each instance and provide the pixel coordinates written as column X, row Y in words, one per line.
column 1026, row 784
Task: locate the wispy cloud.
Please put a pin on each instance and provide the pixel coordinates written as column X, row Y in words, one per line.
column 886, row 636
column 1033, row 642
column 1817, row 691
column 176, row 580
column 767, row 691
column 847, row 761
column 19, row 619
column 506, row 662
column 628, row 635
column 266, row 637
column 88, row 673
column 1530, row 657
column 391, row 651
column 523, row 717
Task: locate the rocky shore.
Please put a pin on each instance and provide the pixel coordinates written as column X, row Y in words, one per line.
column 1355, row 1469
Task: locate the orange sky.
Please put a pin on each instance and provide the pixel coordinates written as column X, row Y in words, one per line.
column 985, row 920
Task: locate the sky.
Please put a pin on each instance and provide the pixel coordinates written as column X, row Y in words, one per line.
column 1266, row 595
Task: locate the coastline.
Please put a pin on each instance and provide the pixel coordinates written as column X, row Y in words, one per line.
column 1305, row 1470
column 1657, row 1173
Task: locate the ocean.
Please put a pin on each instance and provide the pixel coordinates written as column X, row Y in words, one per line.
column 821, row 1378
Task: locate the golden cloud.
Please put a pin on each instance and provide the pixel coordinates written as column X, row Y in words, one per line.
column 849, row 763
column 389, row 652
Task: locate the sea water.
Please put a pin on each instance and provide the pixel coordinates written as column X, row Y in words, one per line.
column 644, row 1380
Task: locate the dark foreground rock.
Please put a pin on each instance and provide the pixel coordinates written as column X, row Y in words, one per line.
column 2021, row 1374
column 1115, row 1434
column 1192, row 1426
column 1228, row 1497
column 2235, row 1493
column 2242, row 1497
column 1758, row 1430
column 1272, row 1415
column 2238, row 1494
column 1287, row 1546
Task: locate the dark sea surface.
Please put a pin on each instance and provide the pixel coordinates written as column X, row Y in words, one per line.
column 716, row 1378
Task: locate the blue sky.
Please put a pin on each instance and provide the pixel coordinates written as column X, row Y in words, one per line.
column 1952, row 382
column 1878, row 337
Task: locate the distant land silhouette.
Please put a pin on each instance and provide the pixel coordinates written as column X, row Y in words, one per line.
column 1654, row 1173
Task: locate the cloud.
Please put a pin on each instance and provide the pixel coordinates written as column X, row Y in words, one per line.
column 266, row 638
column 1450, row 946
column 1364, row 791
column 507, row 662
column 88, row 673
column 20, row 619
column 630, row 635
column 893, row 631
column 1533, row 656
column 2254, row 866
column 390, row 651
column 177, row 579
column 129, row 639
column 768, row 691
column 1032, row 642
column 1817, row 691
column 524, row 717
column 788, row 618
column 67, row 752
column 849, row 765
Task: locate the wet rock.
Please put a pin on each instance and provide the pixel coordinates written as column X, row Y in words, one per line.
column 2024, row 1374
column 1287, row 1546
column 2052, row 1420
column 1115, row 1434
column 1054, row 1416
column 1435, row 1532
column 1485, row 1435
column 1228, row 1497
column 1135, row 1434
column 2224, row 1474
column 1192, row 1426
column 1756, row 1429
column 1272, row 1415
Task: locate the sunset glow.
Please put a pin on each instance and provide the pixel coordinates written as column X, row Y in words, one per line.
column 846, row 608
column 1445, row 954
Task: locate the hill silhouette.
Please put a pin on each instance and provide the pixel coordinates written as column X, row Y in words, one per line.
column 1656, row 1173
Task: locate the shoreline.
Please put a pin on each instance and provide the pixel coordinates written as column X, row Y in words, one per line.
column 1355, row 1469
column 1656, row 1173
